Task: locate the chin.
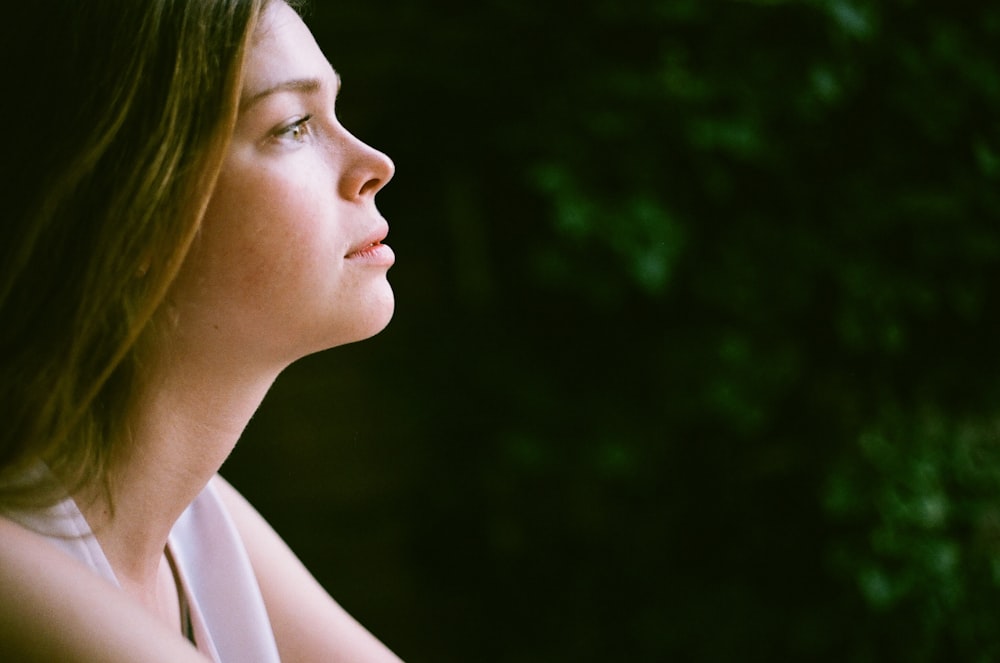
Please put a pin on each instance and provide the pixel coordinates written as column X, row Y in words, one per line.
column 384, row 315
column 367, row 323
column 376, row 326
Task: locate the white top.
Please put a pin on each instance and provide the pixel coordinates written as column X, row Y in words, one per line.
column 228, row 618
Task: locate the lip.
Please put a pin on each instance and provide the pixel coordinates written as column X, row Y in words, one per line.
column 371, row 249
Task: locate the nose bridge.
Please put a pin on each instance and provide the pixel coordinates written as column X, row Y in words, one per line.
column 366, row 169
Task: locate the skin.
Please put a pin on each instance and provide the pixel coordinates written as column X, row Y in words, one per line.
column 283, row 267
column 55, row 609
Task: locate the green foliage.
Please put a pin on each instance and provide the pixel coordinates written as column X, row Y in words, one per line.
column 921, row 501
column 814, row 186
column 639, row 231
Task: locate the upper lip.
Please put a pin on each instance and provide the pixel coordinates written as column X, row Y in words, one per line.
column 374, row 237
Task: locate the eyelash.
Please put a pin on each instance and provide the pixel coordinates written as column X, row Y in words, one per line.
column 296, row 131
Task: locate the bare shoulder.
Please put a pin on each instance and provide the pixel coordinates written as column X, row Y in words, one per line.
column 308, row 624
column 53, row 608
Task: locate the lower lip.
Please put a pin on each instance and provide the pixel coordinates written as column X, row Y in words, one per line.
column 379, row 254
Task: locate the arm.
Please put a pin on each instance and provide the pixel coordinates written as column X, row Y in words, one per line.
column 52, row 608
column 308, row 624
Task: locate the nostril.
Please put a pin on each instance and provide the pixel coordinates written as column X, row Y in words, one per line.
column 371, row 186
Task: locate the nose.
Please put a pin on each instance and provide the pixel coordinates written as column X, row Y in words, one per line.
column 367, row 171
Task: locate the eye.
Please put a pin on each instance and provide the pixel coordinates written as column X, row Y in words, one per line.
column 296, row 131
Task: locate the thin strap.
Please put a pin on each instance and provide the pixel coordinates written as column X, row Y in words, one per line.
column 186, row 627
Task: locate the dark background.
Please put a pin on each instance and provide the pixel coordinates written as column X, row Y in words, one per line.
column 694, row 352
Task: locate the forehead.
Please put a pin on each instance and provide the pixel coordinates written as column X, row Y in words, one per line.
column 282, row 48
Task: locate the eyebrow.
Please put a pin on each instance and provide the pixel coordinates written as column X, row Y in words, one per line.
column 300, row 85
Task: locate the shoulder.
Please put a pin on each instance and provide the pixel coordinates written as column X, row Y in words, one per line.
column 308, row 624
column 52, row 607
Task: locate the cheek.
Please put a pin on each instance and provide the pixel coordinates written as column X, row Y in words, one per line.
column 268, row 275
column 268, row 236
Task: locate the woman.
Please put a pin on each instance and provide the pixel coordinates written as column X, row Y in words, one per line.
column 185, row 217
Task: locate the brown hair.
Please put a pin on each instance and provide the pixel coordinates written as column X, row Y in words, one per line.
column 118, row 119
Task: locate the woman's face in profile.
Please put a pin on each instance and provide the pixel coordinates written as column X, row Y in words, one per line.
column 289, row 259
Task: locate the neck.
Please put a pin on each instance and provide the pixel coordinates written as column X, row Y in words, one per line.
column 184, row 425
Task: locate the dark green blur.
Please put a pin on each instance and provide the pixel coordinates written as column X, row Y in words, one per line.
column 694, row 355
